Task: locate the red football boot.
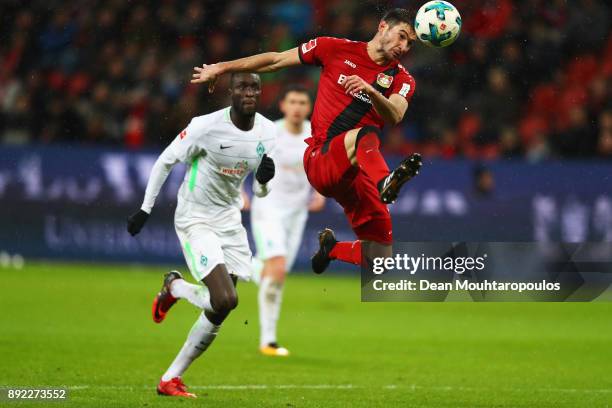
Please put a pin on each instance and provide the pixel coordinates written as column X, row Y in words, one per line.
column 164, row 299
column 174, row 388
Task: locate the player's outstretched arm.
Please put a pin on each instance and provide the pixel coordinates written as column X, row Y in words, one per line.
column 162, row 167
column 266, row 62
column 184, row 148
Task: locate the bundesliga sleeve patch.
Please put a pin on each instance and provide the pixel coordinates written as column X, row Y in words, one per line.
column 405, row 89
column 309, row 46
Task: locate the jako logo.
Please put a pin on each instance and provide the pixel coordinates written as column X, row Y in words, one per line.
column 350, row 64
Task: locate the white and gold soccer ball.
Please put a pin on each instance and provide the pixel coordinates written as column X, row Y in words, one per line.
column 437, row 23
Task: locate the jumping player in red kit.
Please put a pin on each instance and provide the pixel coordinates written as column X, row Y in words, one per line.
column 362, row 87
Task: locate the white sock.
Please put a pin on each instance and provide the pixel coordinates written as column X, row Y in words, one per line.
column 201, row 335
column 270, row 297
column 197, row 295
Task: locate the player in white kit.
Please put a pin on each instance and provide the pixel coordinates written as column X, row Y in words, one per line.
column 220, row 150
column 278, row 220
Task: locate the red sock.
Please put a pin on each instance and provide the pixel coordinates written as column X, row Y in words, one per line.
column 347, row 252
column 369, row 158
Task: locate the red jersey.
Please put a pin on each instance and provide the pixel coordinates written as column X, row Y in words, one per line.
column 335, row 111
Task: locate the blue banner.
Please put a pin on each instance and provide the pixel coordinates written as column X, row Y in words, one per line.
column 72, row 203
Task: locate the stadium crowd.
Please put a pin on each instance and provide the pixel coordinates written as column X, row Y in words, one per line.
column 526, row 79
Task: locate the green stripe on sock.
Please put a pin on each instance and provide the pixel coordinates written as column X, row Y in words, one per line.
column 194, row 174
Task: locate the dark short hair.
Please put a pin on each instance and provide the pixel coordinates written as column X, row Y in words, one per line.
column 399, row 15
column 294, row 88
column 235, row 74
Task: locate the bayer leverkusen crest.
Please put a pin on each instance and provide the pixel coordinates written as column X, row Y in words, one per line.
column 384, row 80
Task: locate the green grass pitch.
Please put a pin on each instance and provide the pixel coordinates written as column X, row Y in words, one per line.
column 88, row 327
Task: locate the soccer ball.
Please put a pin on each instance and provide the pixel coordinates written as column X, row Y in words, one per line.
column 437, row 23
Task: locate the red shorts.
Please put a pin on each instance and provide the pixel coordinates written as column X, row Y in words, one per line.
column 330, row 173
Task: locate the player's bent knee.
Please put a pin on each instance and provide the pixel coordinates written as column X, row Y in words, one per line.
column 225, row 302
column 231, row 300
column 279, row 270
column 349, row 145
column 368, row 137
column 278, row 275
column 378, row 230
column 275, row 268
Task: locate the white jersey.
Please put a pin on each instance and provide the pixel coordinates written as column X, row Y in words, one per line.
column 219, row 156
column 289, row 189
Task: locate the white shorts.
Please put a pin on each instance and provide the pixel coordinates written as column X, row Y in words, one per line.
column 278, row 232
column 204, row 248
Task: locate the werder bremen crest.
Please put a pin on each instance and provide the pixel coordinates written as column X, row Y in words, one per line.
column 260, row 149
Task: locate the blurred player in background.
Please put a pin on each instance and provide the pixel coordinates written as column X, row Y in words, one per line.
column 220, row 150
column 362, row 87
column 278, row 220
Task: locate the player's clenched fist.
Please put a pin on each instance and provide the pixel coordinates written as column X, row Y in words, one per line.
column 354, row 84
column 136, row 221
column 265, row 171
